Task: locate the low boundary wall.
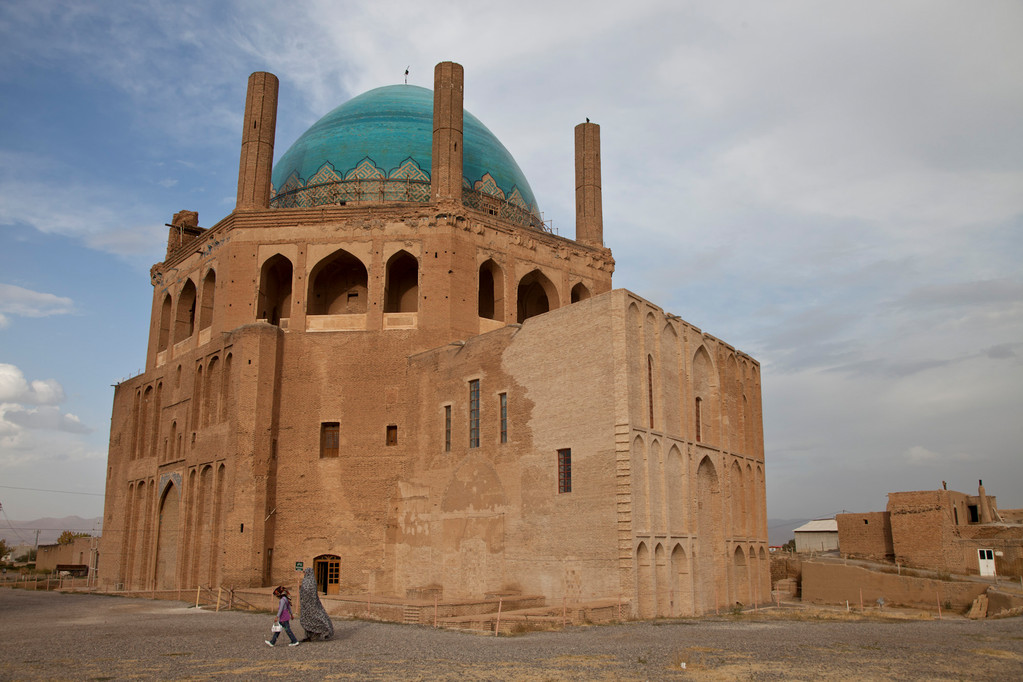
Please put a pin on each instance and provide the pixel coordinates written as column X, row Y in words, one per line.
column 832, row 583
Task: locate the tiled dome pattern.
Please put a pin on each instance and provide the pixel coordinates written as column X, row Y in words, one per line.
column 378, row 147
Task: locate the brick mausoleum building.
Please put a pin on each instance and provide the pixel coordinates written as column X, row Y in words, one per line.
column 383, row 365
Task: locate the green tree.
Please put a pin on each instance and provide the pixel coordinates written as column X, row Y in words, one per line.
column 67, row 537
column 4, row 548
column 790, row 546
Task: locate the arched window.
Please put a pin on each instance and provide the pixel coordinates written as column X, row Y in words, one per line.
column 705, row 392
column 184, row 318
column 491, row 291
column 165, row 324
column 580, row 293
column 338, row 285
column 209, row 285
column 197, row 398
column 401, row 293
column 211, row 392
column 536, row 296
column 275, row 290
column 225, row 395
column 154, row 445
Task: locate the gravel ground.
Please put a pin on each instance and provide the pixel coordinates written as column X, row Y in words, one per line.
column 54, row 636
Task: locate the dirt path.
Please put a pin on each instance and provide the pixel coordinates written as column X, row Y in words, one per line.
column 56, row 636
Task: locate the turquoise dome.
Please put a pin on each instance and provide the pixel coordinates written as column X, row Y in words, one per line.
column 378, row 146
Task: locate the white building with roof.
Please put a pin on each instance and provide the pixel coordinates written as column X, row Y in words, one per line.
column 819, row 535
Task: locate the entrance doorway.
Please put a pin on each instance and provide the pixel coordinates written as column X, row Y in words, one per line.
column 328, row 573
column 986, row 559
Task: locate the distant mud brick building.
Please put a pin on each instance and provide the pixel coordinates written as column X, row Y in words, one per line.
column 941, row 530
column 383, row 365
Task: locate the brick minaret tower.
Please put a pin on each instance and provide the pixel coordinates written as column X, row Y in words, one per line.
column 446, row 165
column 589, row 216
column 258, row 131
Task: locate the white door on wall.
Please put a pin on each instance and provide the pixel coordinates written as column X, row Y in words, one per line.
column 986, row 559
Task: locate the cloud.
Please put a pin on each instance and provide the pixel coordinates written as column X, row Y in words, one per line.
column 44, row 418
column 14, row 388
column 90, row 212
column 1003, row 291
column 919, row 454
column 17, row 300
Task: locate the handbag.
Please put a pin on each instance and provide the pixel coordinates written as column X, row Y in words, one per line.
column 276, row 627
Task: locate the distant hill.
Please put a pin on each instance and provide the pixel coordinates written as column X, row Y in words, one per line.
column 24, row 532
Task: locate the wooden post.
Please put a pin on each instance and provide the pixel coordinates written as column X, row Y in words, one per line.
column 497, row 627
column 197, row 589
column 564, row 610
column 861, row 599
column 434, row 610
column 219, row 590
column 938, row 597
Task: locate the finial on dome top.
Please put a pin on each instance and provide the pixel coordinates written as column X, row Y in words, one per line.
column 406, row 73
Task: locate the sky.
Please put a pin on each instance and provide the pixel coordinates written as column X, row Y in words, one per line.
column 833, row 188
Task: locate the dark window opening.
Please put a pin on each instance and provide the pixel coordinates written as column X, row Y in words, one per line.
column 392, row 434
column 650, row 386
column 565, row 470
column 474, row 413
column 447, row 428
column 699, row 419
column 974, row 515
column 504, row 417
column 330, row 439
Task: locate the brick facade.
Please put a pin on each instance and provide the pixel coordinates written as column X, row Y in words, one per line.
column 308, row 396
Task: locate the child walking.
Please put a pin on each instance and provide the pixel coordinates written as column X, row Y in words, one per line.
column 283, row 617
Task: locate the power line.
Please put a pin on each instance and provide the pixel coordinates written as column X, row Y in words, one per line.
column 44, row 490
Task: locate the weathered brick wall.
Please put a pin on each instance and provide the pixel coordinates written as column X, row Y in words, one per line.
column 865, row 536
column 922, row 529
column 833, row 583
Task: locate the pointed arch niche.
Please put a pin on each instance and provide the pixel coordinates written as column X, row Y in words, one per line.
column 536, row 296
column 274, row 302
column 338, row 293
column 491, row 291
column 184, row 317
column 165, row 324
column 167, row 539
column 705, row 428
column 209, row 286
column 580, row 293
column 401, row 292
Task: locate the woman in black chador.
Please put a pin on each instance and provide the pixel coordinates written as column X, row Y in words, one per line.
column 314, row 618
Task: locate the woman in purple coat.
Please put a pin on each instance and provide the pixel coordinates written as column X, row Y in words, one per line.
column 283, row 616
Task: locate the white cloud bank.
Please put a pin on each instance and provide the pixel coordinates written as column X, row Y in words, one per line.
column 14, row 388
column 15, row 300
